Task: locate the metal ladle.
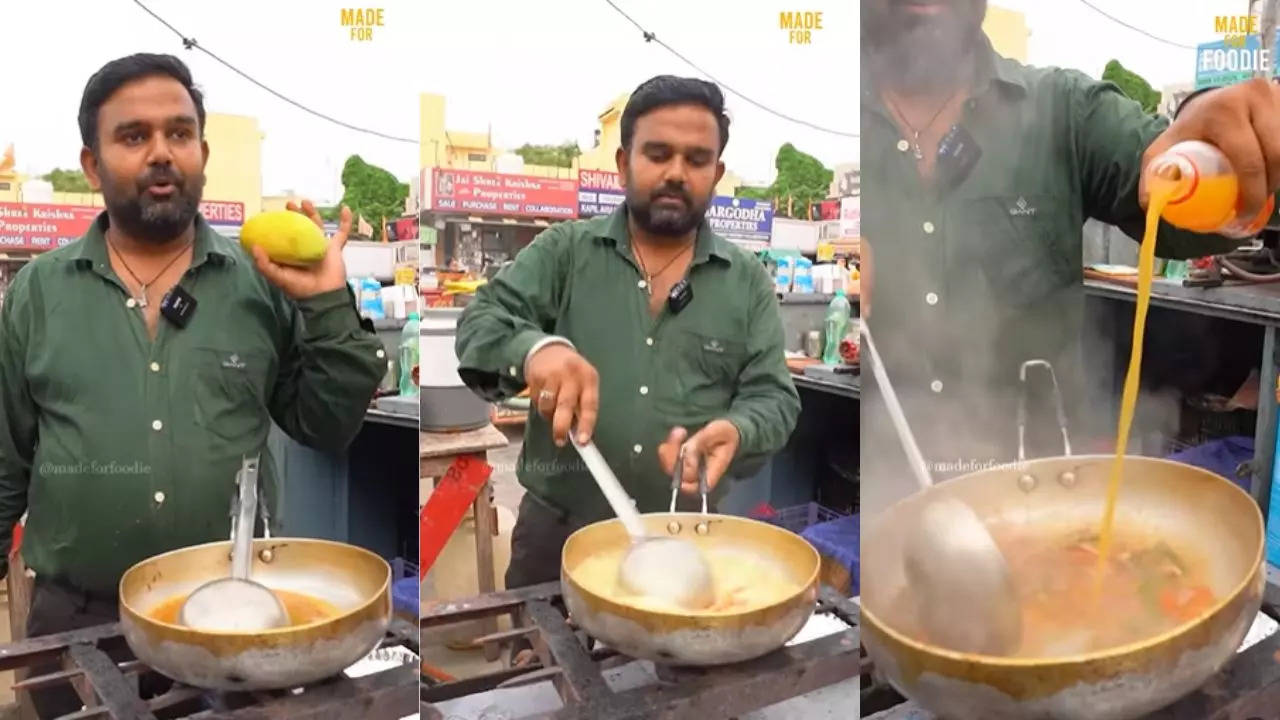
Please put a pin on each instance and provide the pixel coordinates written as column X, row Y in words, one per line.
column 959, row 579
column 237, row 603
column 663, row 568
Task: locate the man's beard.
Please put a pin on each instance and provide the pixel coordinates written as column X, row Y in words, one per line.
column 664, row 221
column 140, row 216
column 924, row 57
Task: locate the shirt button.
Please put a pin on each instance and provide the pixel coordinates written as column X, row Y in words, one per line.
column 155, row 367
column 644, row 389
column 928, row 228
column 130, row 303
column 512, row 370
column 637, row 449
column 381, row 353
column 642, row 284
column 156, row 424
column 931, row 298
column 936, row 386
column 903, row 146
column 648, row 341
column 159, row 497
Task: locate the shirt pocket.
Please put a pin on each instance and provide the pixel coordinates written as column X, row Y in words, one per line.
column 231, row 392
column 1019, row 244
column 702, row 375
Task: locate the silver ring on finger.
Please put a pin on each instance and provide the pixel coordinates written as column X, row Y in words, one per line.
column 546, row 396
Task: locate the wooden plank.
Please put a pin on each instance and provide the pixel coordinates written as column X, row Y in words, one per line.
column 485, row 530
column 447, row 612
column 20, row 589
column 437, row 445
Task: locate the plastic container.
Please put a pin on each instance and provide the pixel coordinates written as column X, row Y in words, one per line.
column 784, row 274
column 1205, row 191
column 803, row 282
column 410, row 349
column 371, row 299
column 835, row 324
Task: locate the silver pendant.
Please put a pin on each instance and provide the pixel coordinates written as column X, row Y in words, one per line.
column 142, row 297
column 918, row 152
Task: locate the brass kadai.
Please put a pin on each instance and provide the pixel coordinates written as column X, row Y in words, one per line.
column 1192, row 507
column 355, row 581
column 706, row 638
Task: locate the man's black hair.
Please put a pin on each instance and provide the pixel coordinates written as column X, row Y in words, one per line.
column 666, row 90
column 118, row 73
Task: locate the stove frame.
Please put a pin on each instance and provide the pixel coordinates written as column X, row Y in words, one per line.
column 110, row 689
column 575, row 672
column 1248, row 688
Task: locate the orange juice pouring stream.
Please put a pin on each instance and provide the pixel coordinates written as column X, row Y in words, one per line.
column 1193, row 186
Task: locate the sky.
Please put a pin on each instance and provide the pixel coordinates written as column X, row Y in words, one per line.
column 535, row 72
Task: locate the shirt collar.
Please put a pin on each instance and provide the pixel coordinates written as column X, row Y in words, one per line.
column 991, row 69
column 207, row 246
column 705, row 246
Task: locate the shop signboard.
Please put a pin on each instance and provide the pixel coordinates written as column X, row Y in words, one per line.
column 600, row 192
column 851, row 217
column 38, row 227
column 741, row 219
column 469, row 191
column 1233, row 60
column 217, row 212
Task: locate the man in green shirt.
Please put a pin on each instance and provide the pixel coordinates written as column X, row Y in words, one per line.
column 641, row 330
column 978, row 175
column 122, row 429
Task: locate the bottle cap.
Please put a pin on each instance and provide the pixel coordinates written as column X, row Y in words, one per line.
column 413, row 316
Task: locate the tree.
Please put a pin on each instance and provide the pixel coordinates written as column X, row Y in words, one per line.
column 372, row 192
column 69, row 181
column 1133, row 86
column 801, row 180
column 561, row 155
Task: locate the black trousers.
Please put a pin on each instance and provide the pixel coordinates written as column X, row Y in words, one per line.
column 56, row 608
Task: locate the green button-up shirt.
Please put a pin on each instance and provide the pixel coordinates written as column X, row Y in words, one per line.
column 722, row 356
column 973, row 278
column 121, row 447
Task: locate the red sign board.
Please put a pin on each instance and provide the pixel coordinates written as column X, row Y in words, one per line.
column 30, row 226
column 222, row 213
column 27, row 226
column 500, row 194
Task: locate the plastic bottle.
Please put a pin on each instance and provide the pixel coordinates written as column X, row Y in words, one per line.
column 1204, row 191
column 836, row 322
column 409, row 344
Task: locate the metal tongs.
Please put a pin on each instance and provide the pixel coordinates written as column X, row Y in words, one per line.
column 237, row 603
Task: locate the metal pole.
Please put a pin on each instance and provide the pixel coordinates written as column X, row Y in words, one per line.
column 1267, row 27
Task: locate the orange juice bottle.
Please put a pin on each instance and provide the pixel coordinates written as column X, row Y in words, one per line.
column 1203, row 191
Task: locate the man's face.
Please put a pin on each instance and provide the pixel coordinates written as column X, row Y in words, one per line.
column 672, row 169
column 150, row 159
column 921, row 40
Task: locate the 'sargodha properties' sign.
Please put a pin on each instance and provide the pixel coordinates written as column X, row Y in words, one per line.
column 600, row 192
column 37, row 227
column 741, row 219
column 500, row 194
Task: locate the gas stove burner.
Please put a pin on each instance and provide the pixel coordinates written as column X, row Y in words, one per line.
column 570, row 681
column 110, row 689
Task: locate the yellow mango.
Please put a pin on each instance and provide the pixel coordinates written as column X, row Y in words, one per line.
column 289, row 238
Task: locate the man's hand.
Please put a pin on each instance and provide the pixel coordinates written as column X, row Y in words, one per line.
column 304, row 282
column 717, row 443
column 562, row 386
column 1244, row 122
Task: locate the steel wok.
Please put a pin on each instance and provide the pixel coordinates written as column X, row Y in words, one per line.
column 352, row 579
column 1198, row 509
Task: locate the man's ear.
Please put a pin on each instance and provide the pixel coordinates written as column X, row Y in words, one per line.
column 204, row 147
column 89, row 164
column 621, row 159
column 719, row 171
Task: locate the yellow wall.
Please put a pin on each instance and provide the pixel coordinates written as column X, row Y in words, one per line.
column 452, row 148
column 234, row 172
column 1008, row 32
